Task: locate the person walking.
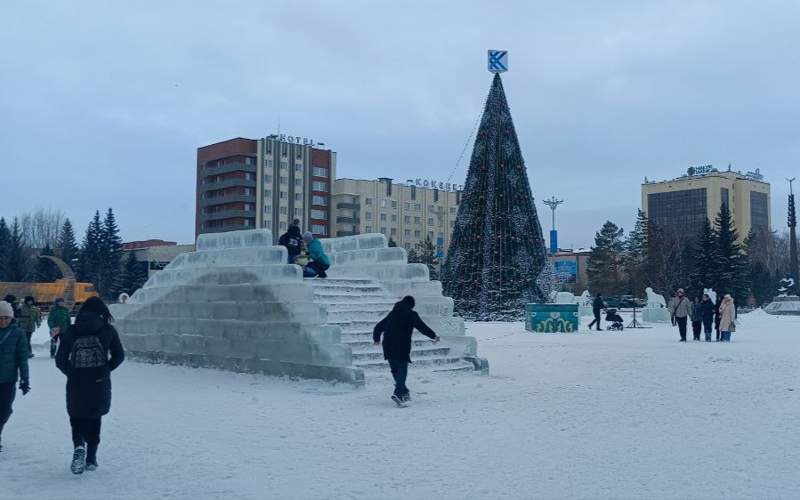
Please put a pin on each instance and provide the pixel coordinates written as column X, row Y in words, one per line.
column 29, row 320
column 707, row 307
column 292, row 239
column 319, row 260
column 697, row 318
column 717, row 318
column 12, row 300
column 13, row 364
column 597, row 306
column 396, row 329
column 87, row 354
column 727, row 318
column 679, row 309
column 58, row 321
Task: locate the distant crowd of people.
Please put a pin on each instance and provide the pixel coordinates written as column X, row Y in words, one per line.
column 86, row 352
column 701, row 311
column 306, row 251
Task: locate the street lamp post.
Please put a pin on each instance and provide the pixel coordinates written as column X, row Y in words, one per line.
column 553, row 203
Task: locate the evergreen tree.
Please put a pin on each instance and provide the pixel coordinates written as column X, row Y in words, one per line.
column 392, row 243
column 67, row 248
column 134, row 274
column 90, row 257
column 635, row 256
column 732, row 265
column 424, row 252
column 110, row 257
column 705, row 261
column 16, row 261
column 604, row 266
column 5, row 242
column 548, row 280
column 46, row 270
column 497, row 250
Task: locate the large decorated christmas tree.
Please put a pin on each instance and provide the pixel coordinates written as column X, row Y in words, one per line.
column 497, row 250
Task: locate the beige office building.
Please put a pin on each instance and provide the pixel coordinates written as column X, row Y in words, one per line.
column 685, row 202
column 406, row 213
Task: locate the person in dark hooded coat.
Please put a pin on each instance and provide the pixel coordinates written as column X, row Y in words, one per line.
column 292, row 239
column 396, row 329
column 87, row 354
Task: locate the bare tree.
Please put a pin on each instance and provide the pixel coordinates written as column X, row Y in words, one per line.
column 41, row 227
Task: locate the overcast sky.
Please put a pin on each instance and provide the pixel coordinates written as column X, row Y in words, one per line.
column 103, row 103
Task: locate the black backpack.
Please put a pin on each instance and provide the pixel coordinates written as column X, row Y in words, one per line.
column 88, row 352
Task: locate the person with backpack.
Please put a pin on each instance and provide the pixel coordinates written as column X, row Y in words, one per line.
column 13, row 363
column 58, row 321
column 292, row 239
column 87, row 354
column 29, row 320
column 396, row 329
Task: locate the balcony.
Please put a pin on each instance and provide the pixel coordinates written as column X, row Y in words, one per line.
column 229, row 214
column 210, row 186
column 348, row 220
column 231, row 198
column 230, row 167
column 348, row 206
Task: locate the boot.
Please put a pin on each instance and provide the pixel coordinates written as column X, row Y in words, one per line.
column 78, row 460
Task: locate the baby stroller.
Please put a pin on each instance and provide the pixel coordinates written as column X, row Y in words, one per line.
column 614, row 320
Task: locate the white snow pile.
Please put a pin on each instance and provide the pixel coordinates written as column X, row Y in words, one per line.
column 603, row 415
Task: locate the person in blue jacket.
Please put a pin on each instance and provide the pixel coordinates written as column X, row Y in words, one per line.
column 319, row 261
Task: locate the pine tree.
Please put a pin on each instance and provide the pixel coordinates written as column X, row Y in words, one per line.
column 110, row 257
column 5, row 242
column 732, row 263
column 392, row 243
column 635, row 256
column 497, row 250
column 46, row 270
column 90, row 257
column 134, row 274
column 424, row 252
column 604, row 266
column 16, row 262
column 67, row 248
column 705, row 261
column 548, row 280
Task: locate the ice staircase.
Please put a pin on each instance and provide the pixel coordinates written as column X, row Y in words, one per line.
column 355, row 305
column 235, row 303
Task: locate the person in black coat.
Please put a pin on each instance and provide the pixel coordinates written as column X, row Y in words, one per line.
column 597, row 306
column 292, row 239
column 87, row 354
column 717, row 317
column 708, row 315
column 397, row 328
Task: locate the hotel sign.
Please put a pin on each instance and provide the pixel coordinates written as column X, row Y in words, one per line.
column 700, row 170
column 432, row 184
column 294, row 139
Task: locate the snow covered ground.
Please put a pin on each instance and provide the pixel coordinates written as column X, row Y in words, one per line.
column 608, row 415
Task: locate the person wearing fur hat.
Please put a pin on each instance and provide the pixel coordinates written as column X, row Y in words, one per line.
column 13, row 363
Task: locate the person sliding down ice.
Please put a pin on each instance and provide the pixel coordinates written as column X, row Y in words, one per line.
column 397, row 328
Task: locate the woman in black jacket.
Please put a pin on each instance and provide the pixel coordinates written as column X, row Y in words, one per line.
column 87, row 354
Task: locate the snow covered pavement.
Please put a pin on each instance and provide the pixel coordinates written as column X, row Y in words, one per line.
column 608, row 415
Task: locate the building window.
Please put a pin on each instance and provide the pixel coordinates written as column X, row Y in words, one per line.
column 384, row 203
column 407, row 233
column 268, row 147
column 320, row 186
column 436, row 196
column 283, row 210
column 413, row 192
column 394, row 217
column 368, row 215
column 759, row 210
column 320, row 171
column 723, row 195
column 298, row 167
column 284, row 149
column 383, row 230
column 430, row 221
column 407, row 206
column 685, row 209
column 407, row 219
column 383, row 217
column 394, row 204
column 284, row 165
column 267, row 209
column 417, row 207
column 282, row 225
column 368, row 202
column 298, row 197
column 249, row 161
column 319, row 200
column 298, row 212
column 283, row 195
column 319, row 214
column 417, row 220
column 431, row 208
column 319, row 229
column 267, row 179
column 298, row 153
column 268, row 194
column 394, row 231
column 298, row 182
column 268, row 163
column 452, row 210
column 417, row 233
column 368, row 229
